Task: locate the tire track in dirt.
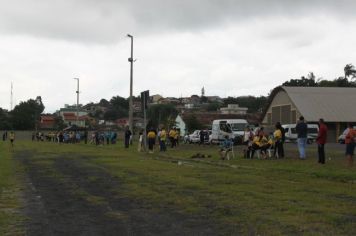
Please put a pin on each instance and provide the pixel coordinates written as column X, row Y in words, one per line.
column 73, row 197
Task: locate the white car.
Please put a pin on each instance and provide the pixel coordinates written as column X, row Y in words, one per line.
column 195, row 137
column 291, row 133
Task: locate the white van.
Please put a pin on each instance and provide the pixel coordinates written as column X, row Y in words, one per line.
column 292, row 136
column 233, row 128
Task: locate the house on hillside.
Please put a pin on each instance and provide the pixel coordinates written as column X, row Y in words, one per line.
column 72, row 116
column 155, row 98
column 124, row 122
column 169, row 100
column 180, row 124
column 337, row 106
column 234, row 109
column 216, row 99
column 94, row 108
column 47, row 122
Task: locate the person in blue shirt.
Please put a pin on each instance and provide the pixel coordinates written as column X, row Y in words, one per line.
column 225, row 148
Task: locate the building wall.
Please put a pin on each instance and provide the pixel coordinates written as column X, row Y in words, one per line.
column 79, row 123
column 282, row 109
column 181, row 125
column 233, row 111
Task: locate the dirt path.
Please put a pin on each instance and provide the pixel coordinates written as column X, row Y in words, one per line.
column 68, row 196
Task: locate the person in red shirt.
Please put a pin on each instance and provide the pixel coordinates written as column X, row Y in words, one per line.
column 321, row 140
column 350, row 143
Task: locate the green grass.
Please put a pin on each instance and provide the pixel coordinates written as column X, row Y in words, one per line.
column 10, row 187
column 265, row 197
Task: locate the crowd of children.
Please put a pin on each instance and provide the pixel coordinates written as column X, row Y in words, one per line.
column 97, row 137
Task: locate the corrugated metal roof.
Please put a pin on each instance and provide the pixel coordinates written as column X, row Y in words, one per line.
column 330, row 103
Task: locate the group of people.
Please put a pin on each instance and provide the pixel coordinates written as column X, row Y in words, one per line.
column 162, row 136
column 59, row 137
column 255, row 140
column 258, row 140
column 302, row 131
column 101, row 138
column 97, row 137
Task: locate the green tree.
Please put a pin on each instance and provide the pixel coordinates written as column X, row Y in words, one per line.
column 25, row 115
column 5, row 123
column 119, row 107
column 104, row 103
column 350, row 71
column 59, row 123
column 119, row 102
column 192, row 123
column 161, row 114
column 112, row 114
column 308, row 81
column 203, row 99
column 254, row 104
column 213, row 106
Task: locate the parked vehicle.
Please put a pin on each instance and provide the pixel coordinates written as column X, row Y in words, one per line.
column 341, row 138
column 195, row 137
column 233, row 128
column 292, row 136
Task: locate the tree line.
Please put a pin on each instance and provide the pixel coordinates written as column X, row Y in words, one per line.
column 347, row 80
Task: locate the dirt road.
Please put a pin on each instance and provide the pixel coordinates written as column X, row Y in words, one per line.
column 69, row 196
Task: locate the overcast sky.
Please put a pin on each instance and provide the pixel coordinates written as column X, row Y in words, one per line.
column 231, row 47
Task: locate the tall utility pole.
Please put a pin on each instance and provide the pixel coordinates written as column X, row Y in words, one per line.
column 131, row 81
column 77, row 100
column 11, row 98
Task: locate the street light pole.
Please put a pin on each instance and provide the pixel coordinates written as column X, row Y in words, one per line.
column 77, row 100
column 131, row 82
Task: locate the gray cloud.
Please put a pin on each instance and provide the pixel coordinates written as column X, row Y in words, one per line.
column 107, row 21
column 231, row 47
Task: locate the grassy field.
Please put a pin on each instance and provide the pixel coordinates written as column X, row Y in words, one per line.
column 10, row 189
column 256, row 197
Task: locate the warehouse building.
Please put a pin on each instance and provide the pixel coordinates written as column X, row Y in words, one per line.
column 337, row 106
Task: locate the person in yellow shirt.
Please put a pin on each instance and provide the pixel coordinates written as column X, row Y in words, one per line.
column 162, row 140
column 258, row 142
column 172, row 135
column 278, row 142
column 151, row 135
column 266, row 143
column 176, row 137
